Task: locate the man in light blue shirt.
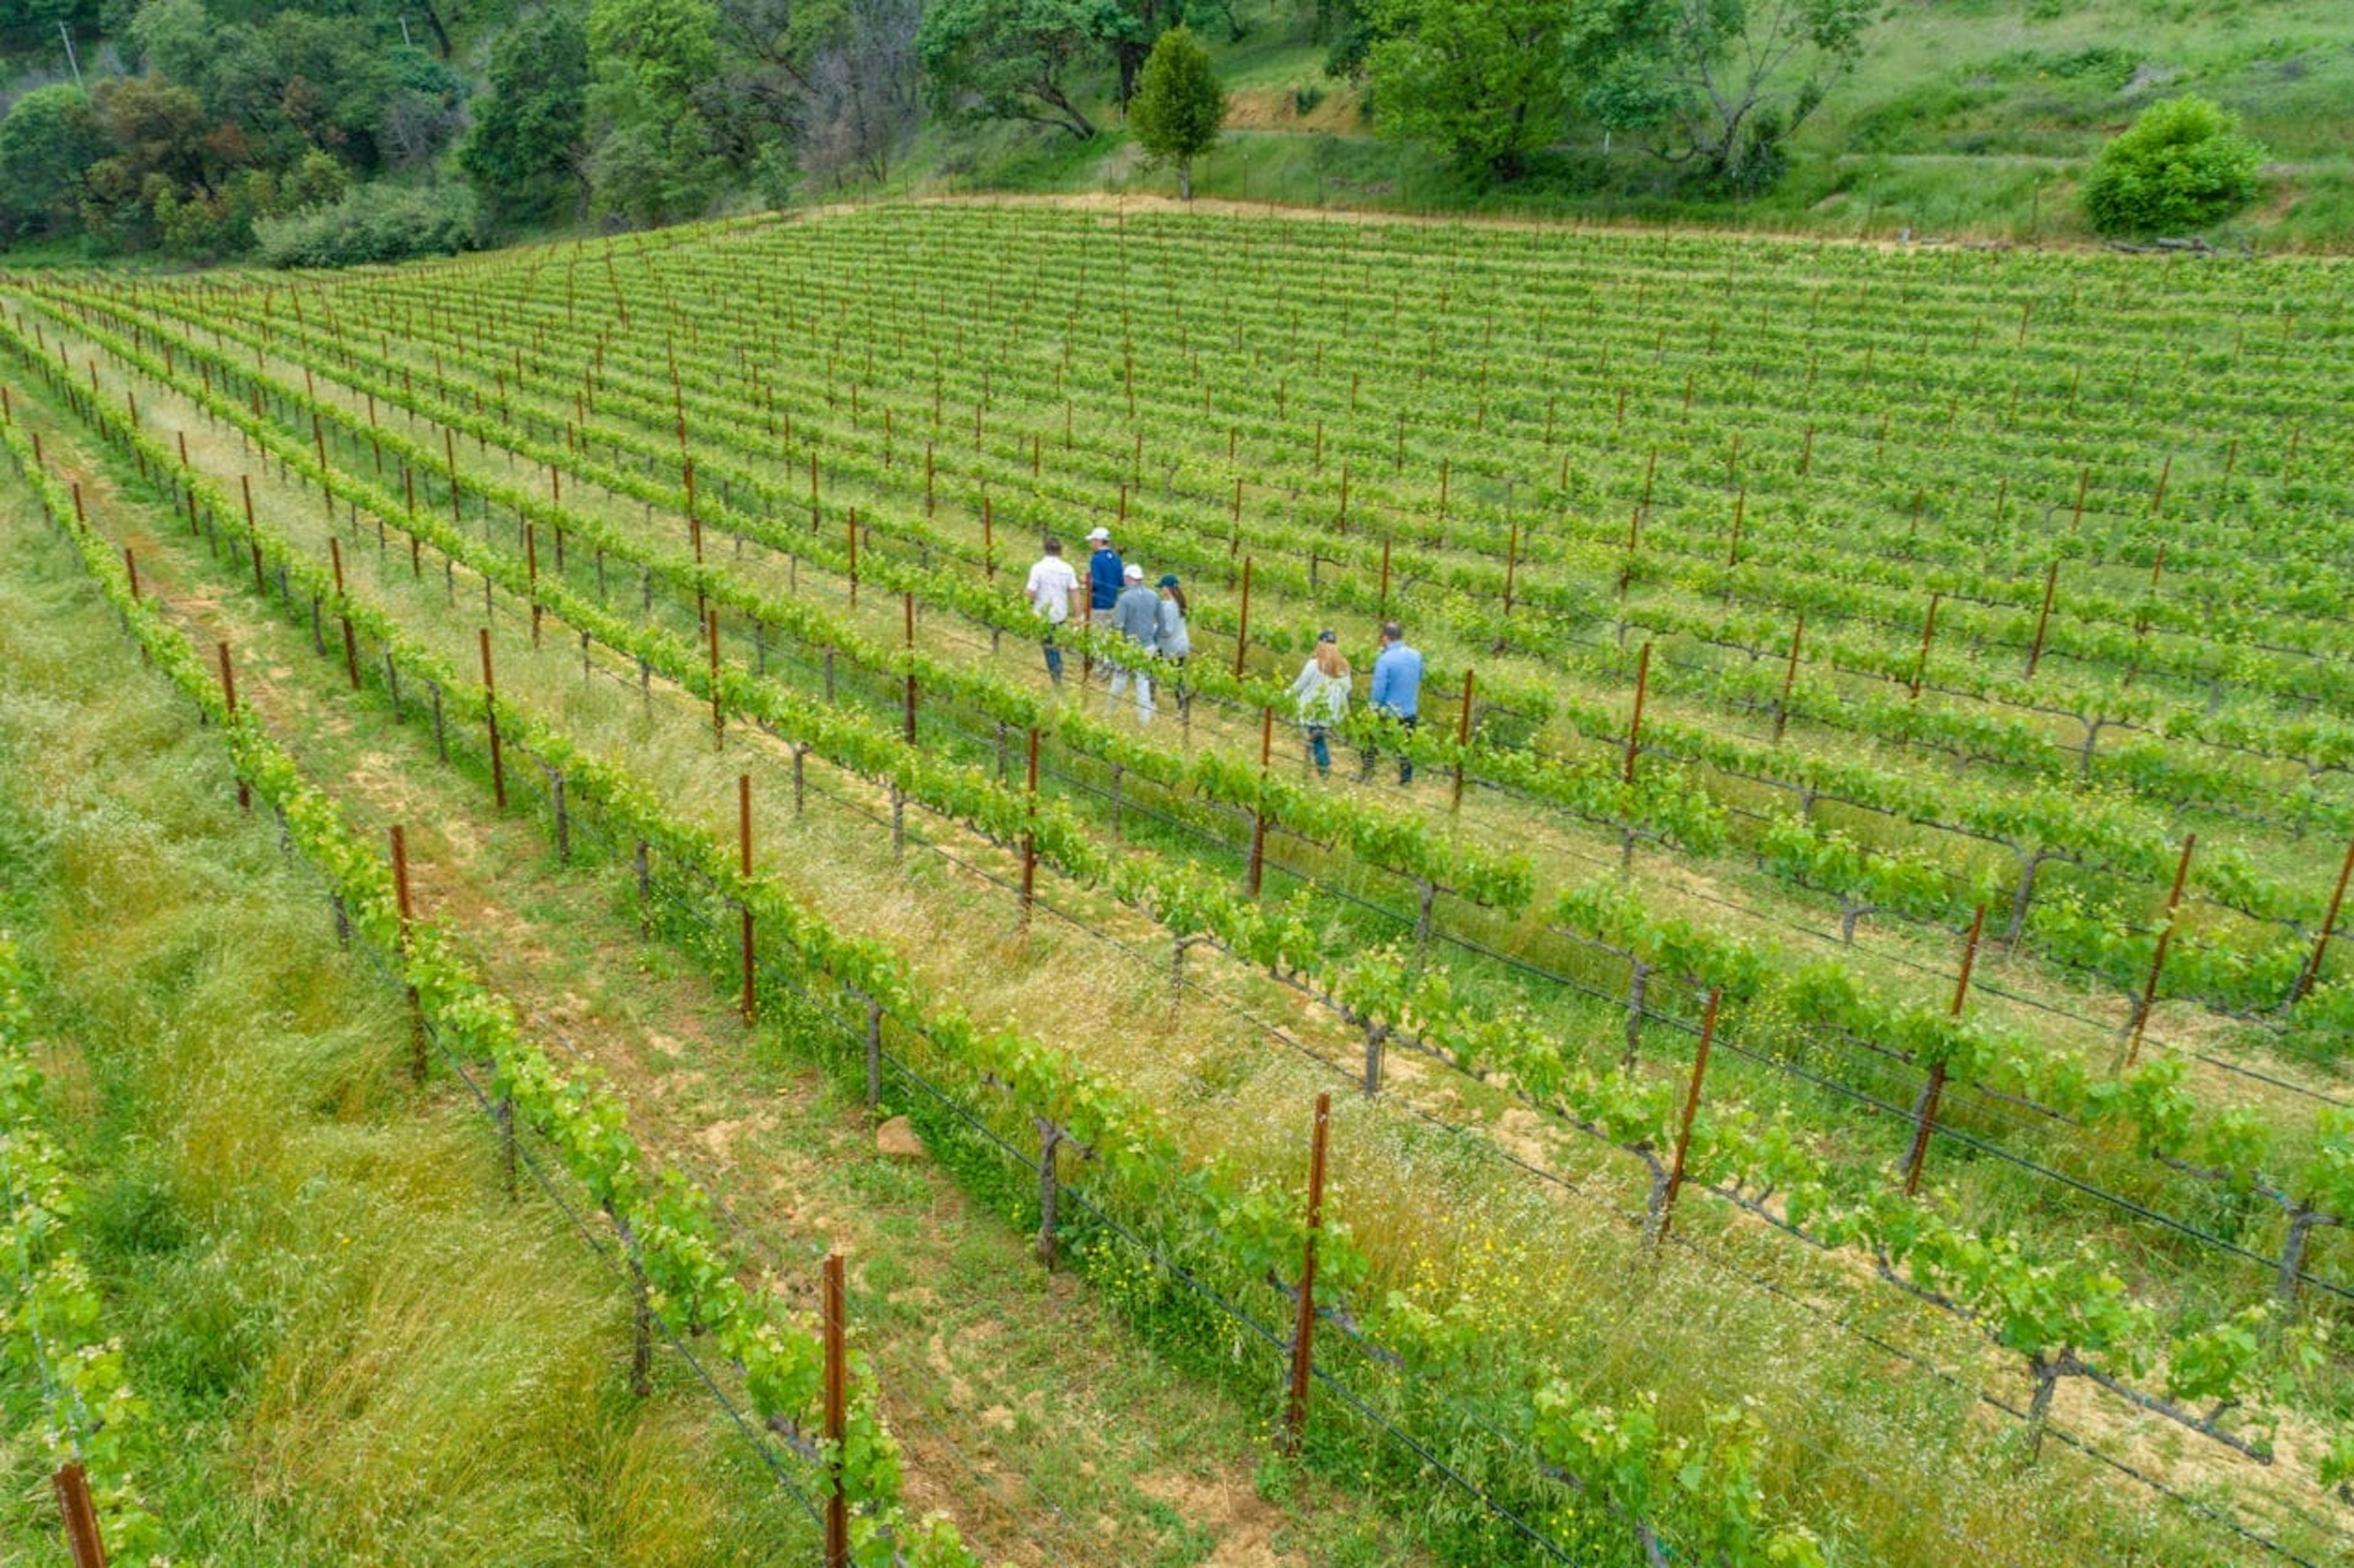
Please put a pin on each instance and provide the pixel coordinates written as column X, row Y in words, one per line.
column 1396, row 694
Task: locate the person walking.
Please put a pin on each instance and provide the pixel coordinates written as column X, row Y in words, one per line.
column 1105, row 573
column 1176, row 639
column 1051, row 583
column 1136, row 616
column 1396, row 694
column 1322, row 692
column 1176, row 642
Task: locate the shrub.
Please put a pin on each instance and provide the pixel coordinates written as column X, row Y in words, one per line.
column 2181, row 165
column 374, row 223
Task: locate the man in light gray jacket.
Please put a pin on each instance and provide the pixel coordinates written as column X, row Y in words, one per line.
column 1136, row 616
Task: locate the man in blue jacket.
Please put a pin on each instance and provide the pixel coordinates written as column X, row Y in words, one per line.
column 1105, row 577
column 1397, row 693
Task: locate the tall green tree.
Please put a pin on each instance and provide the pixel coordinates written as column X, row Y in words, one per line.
column 1179, row 105
column 1477, row 80
column 529, row 143
column 1015, row 59
column 665, row 46
column 1715, row 87
column 51, row 136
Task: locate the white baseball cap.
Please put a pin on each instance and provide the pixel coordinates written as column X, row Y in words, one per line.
column 1098, row 536
column 1136, row 574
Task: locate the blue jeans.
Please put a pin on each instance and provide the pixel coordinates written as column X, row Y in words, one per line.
column 1053, row 659
column 1319, row 736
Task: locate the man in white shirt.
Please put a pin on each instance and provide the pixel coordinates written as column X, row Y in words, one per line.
column 1051, row 583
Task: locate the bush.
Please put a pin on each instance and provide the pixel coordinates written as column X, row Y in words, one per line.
column 2182, row 165
column 374, row 223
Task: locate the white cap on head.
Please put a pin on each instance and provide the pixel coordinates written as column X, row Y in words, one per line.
column 1136, row 574
column 1099, row 535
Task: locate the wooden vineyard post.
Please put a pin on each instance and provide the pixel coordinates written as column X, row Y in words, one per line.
column 2084, row 483
column 1635, row 726
column 1385, row 580
column 2157, row 958
column 408, row 916
column 1462, row 740
column 531, row 574
column 1030, row 838
column 351, row 642
column 719, row 718
column 72, row 1486
column 1050, row 1139
column 1258, row 809
column 1511, row 567
column 1928, row 631
column 228, row 696
column 837, row 1415
column 491, row 719
column 1242, row 632
column 852, row 525
column 131, row 575
column 2305, row 982
column 1935, row 1089
column 909, row 605
column 1790, row 679
column 1683, row 1129
column 253, row 537
column 1303, row 1334
column 2043, row 619
column 1740, row 505
column 744, row 854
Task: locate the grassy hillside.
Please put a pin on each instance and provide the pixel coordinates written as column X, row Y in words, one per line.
column 1972, row 118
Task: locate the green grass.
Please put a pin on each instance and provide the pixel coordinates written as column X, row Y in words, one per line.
column 356, row 1348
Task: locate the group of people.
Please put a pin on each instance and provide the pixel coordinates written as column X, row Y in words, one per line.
column 1154, row 620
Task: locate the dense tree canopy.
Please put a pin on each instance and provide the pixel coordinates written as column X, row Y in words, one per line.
column 1015, row 59
column 527, row 151
column 51, row 135
column 1714, row 85
column 203, row 118
column 1478, row 80
column 1179, row 105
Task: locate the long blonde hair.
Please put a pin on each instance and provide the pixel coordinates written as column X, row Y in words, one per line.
column 1329, row 662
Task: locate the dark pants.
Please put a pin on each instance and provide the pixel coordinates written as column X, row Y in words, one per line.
column 1054, row 658
column 1319, row 737
column 1406, row 763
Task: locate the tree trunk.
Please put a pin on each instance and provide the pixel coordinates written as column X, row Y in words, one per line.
column 1185, row 178
column 2292, row 1262
column 440, row 33
column 1635, row 990
column 2028, row 867
column 2039, row 1409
